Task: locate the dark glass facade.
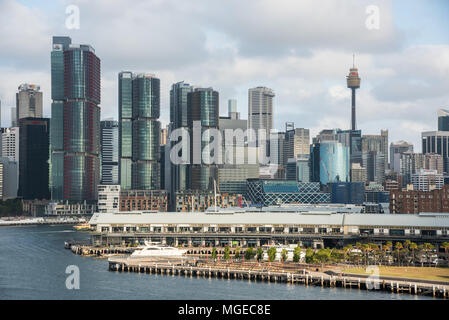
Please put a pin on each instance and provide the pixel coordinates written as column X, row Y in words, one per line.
column 443, row 123
column 329, row 162
column 437, row 142
column 75, row 136
column 203, row 105
column 57, row 117
column 348, row 192
column 139, row 131
column 179, row 117
column 34, row 142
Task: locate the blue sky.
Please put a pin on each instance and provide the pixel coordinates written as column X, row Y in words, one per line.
column 301, row 49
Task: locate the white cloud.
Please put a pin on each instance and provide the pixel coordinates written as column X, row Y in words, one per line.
column 301, row 49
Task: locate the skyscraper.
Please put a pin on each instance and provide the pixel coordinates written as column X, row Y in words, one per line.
column 297, row 142
column 75, row 122
column 203, row 103
column 10, row 144
column 443, row 120
column 232, row 109
column 396, row 148
column 378, row 143
column 329, row 162
column 353, row 81
column 28, row 101
column 34, row 154
column 109, row 152
column 146, row 133
column 139, row 131
column 179, row 117
column 260, row 110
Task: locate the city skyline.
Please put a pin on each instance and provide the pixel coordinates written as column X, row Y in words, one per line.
column 398, row 62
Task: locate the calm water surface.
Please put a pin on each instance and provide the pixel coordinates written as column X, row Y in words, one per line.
column 33, row 263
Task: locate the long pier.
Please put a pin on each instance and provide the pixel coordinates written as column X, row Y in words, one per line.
column 273, row 274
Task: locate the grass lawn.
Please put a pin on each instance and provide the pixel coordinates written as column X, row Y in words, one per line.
column 425, row 273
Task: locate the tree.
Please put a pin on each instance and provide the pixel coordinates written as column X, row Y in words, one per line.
column 284, row 255
column 214, row 253
column 259, row 254
column 398, row 246
column 249, row 254
column 413, row 246
column 347, row 250
column 227, row 255
column 365, row 249
column 237, row 253
column 427, row 248
column 297, row 254
column 445, row 246
column 309, row 255
column 271, row 254
column 374, row 248
column 387, row 247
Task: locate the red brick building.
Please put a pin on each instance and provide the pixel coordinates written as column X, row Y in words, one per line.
column 133, row 200
column 419, row 201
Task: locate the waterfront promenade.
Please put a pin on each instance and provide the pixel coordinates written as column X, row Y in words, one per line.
column 26, row 221
column 197, row 263
column 277, row 272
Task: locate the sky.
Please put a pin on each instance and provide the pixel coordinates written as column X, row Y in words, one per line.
column 301, row 49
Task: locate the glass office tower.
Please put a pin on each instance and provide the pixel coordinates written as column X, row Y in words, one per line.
column 139, row 131
column 75, row 124
column 330, row 162
column 203, row 104
column 33, row 158
column 179, row 118
column 57, row 117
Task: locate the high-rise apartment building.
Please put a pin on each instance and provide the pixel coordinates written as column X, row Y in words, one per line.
column 396, row 148
column 109, row 152
column 410, row 163
column 10, row 144
column 374, row 163
column 358, row 173
column 260, row 110
column 434, row 161
column 75, row 121
column 427, row 180
column 297, row 142
column 28, row 101
column 378, row 143
column 437, row 142
column 34, row 158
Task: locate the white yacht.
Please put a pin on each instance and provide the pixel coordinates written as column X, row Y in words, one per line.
column 157, row 250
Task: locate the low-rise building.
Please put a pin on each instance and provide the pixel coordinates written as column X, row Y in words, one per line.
column 201, row 200
column 108, row 197
column 70, row 209
column 318, row 229
column 269, row 192
column 415, row 201
column 151, row 200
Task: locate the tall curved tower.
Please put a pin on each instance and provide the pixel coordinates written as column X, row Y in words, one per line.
column 353, row 81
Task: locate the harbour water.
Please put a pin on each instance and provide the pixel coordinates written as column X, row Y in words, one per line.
column 33, row 263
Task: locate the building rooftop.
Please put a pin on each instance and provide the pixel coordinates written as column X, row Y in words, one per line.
column 274, row 218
